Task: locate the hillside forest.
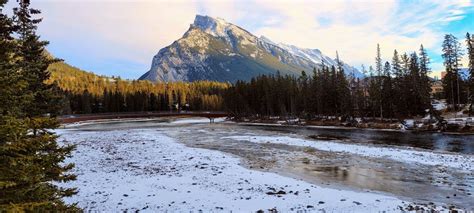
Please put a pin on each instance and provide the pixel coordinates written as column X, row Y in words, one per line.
column 400, row 88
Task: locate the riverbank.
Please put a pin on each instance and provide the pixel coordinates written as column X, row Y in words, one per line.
column 450, row 127
column 136, row 147
column 145, row 170
column 75, row 118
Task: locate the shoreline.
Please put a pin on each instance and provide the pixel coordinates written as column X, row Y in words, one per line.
column 149, row 118
column 411, row 202
column 351, row 128
column 179, row 180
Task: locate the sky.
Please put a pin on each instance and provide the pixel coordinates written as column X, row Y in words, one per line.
column 120, row 37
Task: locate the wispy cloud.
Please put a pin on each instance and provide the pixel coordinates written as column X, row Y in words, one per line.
column 357, row 26
column 101, row 31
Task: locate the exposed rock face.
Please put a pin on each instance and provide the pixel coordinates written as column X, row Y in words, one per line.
column 213, row 49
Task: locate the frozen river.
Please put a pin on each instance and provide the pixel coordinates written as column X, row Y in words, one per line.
column 188, row 164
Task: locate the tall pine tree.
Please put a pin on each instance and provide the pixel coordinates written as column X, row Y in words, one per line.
column 424, row 80
column 378, row 82
column 451, row 82
column 31, row 159
column 470, row 54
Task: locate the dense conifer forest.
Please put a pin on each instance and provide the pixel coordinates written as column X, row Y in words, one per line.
column 399, row 88
column 89, row 93
column 396, row 89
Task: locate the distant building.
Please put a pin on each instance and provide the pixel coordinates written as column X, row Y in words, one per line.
column 443, row 74
column 436, row 87
column 463, row 72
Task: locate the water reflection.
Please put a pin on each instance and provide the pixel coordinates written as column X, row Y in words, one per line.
column 420, row 182
column 433, row 141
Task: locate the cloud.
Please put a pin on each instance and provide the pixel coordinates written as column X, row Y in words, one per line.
column 103, row 32
column 123, row 35
column 131, row 29
column 357, row 26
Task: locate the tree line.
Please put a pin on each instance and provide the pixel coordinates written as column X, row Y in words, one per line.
column 458, row 87
column 399, row 88
column 88, row 93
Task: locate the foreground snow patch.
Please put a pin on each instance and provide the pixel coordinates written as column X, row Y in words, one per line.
column 462, row 162
column 196, row 120
column 142, row 169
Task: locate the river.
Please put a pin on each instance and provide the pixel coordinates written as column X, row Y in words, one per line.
column 438, row 168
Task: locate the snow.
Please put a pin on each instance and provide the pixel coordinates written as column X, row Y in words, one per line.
column 143, row 169
column 461, row 120
column 214, row 26
column 196, row 120
column 410, row 123
column 267, row 40
column 439, row 105
column 317, row 57
column 218, row 27
column 172, row 62
column 462, row 162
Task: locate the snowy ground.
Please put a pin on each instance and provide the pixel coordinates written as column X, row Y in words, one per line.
column 195, row 120
column 143, row 169
column 460, row 162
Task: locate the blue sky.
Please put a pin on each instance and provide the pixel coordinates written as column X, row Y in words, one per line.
column 120, row 37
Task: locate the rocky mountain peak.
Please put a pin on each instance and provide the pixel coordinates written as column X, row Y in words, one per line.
column 214, row 26
column 214, row 49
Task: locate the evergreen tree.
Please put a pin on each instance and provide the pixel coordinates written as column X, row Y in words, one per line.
column 387, row 90
column 11, row 83
column 413, row 85
column 378, row 62
column 343, row 90
column 373, row 89
column 424, row 80
column 30, row 157
column 451, row 83
column 378, row 82
column 304, row 92
column 398, row 85
column 470, row 53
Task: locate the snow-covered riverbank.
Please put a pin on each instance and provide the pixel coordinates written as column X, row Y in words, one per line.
column 461, row 162
column 143, row 169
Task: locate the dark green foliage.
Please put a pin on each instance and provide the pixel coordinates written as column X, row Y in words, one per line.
column 452, row 82
column 424, row 81
column 30, row 158
column 470, row 53
column 391, row 91
column 326, row 93
column 89, row 93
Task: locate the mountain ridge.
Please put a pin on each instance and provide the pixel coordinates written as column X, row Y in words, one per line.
column 213, row 49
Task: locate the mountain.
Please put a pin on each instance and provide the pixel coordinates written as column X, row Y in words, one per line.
column 213, row 49
column 63, row 72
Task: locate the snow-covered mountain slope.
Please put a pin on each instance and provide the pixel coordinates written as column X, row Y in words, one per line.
column 317, row 57
column 213, row 49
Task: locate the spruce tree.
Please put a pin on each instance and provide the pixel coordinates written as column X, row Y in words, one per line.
column 414, row 104
column 387, row 90
column 405, row 90
column 373, row 89
column 399, row 98
column 343, row 89
column 470, row 54
column 31, row 159
column 10, row 84
column 424, row 80
column 452, row 54
column 379, row 82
